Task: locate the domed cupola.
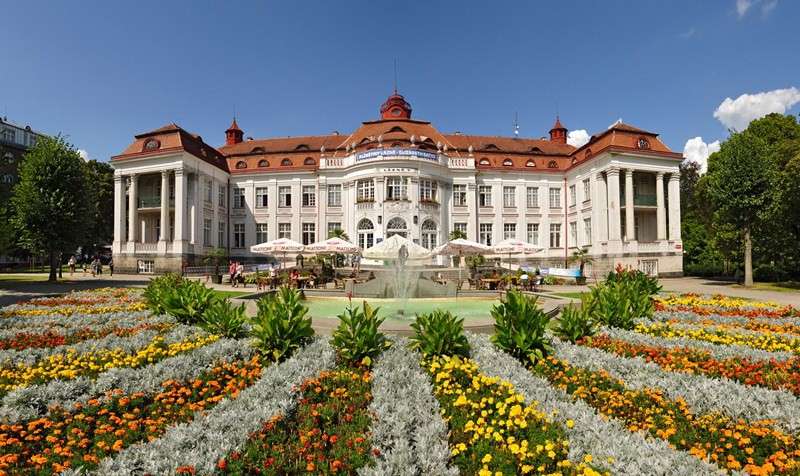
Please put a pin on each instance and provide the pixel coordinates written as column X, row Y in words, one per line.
column 396, row 107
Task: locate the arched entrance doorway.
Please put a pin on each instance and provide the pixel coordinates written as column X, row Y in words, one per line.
column 366, row 233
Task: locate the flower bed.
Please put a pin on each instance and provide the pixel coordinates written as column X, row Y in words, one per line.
column 50, row 338
column 757, row 340
column 755, row 447
column 491, row 428
column 88, row 432
column 774, row 374
column 723, row 305
column 326, row 434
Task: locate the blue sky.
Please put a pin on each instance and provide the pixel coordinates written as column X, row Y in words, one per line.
column 100, row 72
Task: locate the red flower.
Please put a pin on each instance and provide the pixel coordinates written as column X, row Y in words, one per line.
column 222, row 464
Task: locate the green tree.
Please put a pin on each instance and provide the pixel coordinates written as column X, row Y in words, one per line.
column 739, row 187
column 100, row 191
column 51, row 207
column 338, row 233
column 458, row 235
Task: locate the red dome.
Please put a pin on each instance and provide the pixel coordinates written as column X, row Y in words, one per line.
column 396, row 107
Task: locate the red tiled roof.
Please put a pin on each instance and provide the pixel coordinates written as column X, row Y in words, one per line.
column 173, row 138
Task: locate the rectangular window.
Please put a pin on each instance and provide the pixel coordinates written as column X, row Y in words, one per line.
column 533, row 197
column 462, row 227
column 261, row 198
column 509, row 231
column 238, row 197
column 396, row 188
column 485, row 196
column 485, row 234
column 587, row 231
column 555, row 235
column 335, row 195
column 334, row 225
column 309, row 233
column 261, row 233
column 509, row 198
column 365, row 191
column 587, row 190
column 428, row 190
column 555, row 197
column 207, row 231
column 238, row 235
column 573, row 196
column 221, row 234
column 285, row 230
column 459, row 195
column 285, row 197
column 533, row 233
column 309, row 196
column 220, row 195
column 573, row 234
column 209, row 187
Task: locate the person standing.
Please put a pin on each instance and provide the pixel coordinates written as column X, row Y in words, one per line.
column 111, row 268
column 232, row 272
column 71, row 264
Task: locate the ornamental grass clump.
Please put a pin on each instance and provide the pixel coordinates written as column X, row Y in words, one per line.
column 357, row 339
column 439, row 333
column 574, row 324
column 224, row 319
column 281, row 325
column 625, row 296
column 519, row 327
column 188, row 302
column 158, row 289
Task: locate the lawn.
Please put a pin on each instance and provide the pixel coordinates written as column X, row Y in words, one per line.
column 571, row 295
column 784, row 287
column 710, row 385
column 23, row 277
column 222, row 294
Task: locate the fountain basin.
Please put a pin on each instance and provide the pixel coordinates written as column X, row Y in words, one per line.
column 469, row 308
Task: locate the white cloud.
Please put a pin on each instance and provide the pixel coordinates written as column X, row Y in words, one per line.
column 84, row 155
column 737, row 113
column 742, row 6
column 577, row 137
column 696, row 150
column 768, row 6
column 688, row 33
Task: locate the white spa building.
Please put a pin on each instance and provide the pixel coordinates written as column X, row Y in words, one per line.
column 176, row 197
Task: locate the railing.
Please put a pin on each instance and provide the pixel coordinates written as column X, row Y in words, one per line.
column 153, row 202
column 649, row 247
column 146, row 247
column 332, row 162
column 644, row 200
column 459, row 163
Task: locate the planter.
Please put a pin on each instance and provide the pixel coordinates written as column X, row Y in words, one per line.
column 216, row 278
column 580, row 280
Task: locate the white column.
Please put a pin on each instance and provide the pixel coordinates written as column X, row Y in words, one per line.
column 661, row 216
column 194, row 193
column 544, row 221
column 674, row 207
column 180, row 211
column 164, row 225
column 133, row 208
column 630, row 229
column 600, row 206
column 119, row 213
column 614, row 231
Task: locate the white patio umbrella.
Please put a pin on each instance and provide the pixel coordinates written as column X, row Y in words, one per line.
column 461, row 247
column 513, row 246
column 281, row 245
column 389, row 249
column 332, row 245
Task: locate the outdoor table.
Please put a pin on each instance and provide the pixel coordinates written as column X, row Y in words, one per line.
column 490, row 283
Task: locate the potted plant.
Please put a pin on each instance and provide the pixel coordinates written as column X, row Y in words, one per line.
column 216, row 257
column 457, row 235
column 581, row 256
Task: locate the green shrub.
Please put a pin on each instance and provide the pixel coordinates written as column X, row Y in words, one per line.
column 439, row 333
column 357, row 340
column 519, row 327
column 618, row 304
column 224, row 319
column 635, row 278
column 281, row 325
column 188, row 302
column 157, row 290
column 574, row 323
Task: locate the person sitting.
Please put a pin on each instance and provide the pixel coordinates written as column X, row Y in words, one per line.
column 294, row 275
column 523, row 281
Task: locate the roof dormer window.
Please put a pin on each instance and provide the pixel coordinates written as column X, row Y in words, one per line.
column 491, row 147
column 508, row 162
column 552, row 164
column 302, row 147
column 530, row 163
column 308, row 161
column 286, row 163
column 484, row 161
column 263, row 163
column 257, row 150
column 241, row 164
column 643, row 143
column 396, row 129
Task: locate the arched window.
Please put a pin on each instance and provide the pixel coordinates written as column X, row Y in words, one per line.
column 536, row 150
column 552, row 164
column 396, row 226
column 365, row 230
column 430, row 234
column 484, row 161
column 308, row 161
column 263, row 163
column 530, row 163
column 397, row 144
column 286, row 162
column 257, row 150
column 241, row 164
column 491, row 147
column 396, row 129
column 302, row 147
column 643, row 143
column 151, row 144
column 508, row 163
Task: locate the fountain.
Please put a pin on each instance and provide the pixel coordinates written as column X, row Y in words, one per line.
column 403, row 280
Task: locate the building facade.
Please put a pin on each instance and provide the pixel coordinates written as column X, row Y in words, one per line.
column 176, row 197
